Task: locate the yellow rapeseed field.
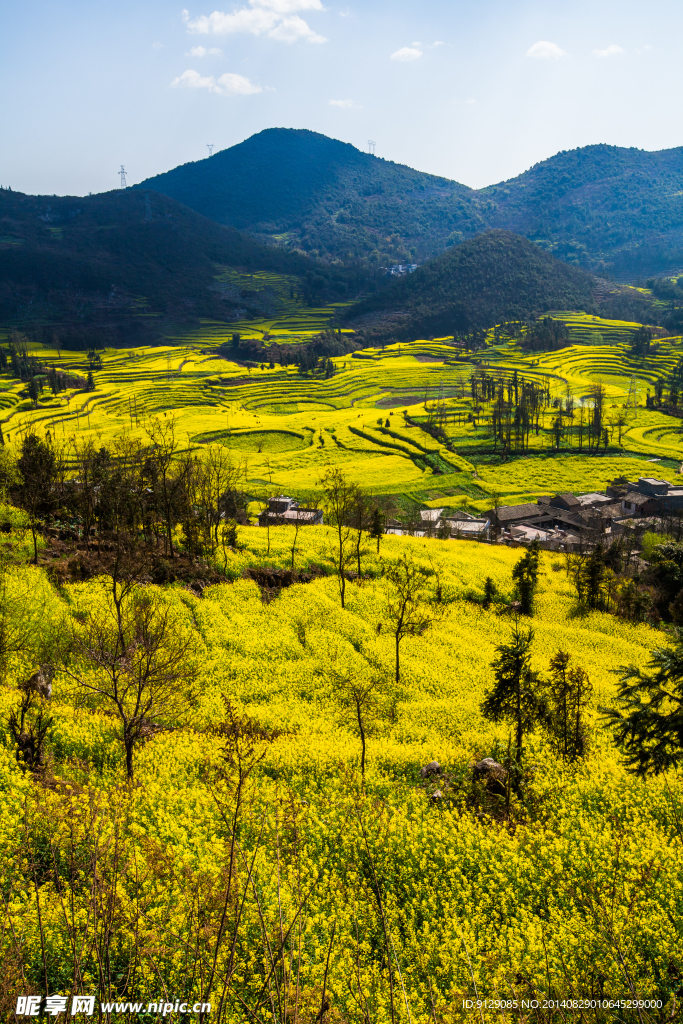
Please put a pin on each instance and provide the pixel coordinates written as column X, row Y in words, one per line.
column 291, row 427
column 250, row 866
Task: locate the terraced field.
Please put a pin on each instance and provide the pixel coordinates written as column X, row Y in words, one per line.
column 370, row 417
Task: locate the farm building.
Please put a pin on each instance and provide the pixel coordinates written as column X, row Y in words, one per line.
column 283, row 510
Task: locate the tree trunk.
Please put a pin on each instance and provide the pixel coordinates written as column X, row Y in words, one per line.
column 342, row 578
column 170, row 537
column 398, row 641
column 128, row 743
column 519, row 737
column 362, row 740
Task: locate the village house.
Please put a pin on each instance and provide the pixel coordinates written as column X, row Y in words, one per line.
column 282, row 510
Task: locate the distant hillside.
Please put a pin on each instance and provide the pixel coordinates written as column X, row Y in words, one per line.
column 114, row 268
column 494, row 277
column 602, row 207
column 605, row 208
column 324, row 196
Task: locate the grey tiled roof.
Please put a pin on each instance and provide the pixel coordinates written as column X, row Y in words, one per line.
column 611, row 511
column 506, row 512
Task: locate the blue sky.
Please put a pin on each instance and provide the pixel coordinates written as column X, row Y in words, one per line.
column 475, row 90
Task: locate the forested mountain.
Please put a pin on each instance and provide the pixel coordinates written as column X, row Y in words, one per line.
column 116, row 266
column 601, row 207
column 120, row 266
column 493, row 277
column 323, row 196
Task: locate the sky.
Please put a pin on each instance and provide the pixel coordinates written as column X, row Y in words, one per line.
column 474, row 90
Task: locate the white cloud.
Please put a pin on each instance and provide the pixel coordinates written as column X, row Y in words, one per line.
column 407, row 53
column 470, row 100
column 157, row 46
column 293, row 28
column 344, row 104
column 439, row 42
column 201, row 51
column 275, row 18
column 543, row 50
column 345, row 13
column 610, row 51
column 227, row 85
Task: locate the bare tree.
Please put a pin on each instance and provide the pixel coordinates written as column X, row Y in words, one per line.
column 29, row 730
column 131, row 657
column 598, row 396
column 85, row 455
column 362, row 701
column 124, row 505
column 339, row 500
column 296, row 524
column 405, row 609
column 361, row 518
column 163, row 460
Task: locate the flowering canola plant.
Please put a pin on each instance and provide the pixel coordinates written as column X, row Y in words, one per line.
column 250, row 865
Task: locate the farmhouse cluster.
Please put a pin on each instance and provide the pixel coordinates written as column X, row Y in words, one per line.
column 566, row 520
column 559, row 521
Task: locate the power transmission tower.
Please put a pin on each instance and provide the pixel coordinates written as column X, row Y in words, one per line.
column 632, row 399
column 210, row 146
column 122, row 176
column 371, row 147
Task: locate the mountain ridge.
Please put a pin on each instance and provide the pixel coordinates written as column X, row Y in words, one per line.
column 609, row 209
column 122, row 264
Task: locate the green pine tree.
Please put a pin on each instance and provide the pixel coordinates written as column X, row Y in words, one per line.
column 517, row 694
column 568, row 694
column 648, row 722
column 525, row 578
column 377, row 526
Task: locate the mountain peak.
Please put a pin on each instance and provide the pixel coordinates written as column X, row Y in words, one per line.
column 606, row 208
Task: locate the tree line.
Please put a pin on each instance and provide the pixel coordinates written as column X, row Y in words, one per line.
column 148, row 492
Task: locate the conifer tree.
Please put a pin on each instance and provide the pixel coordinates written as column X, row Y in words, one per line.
column 489, row 592
column 648, row 722
column 568, row 694
column 37, row 473
column 516, row 696
column 591, row 579
column 33, row 391
column 377, row 526
column 525, row 577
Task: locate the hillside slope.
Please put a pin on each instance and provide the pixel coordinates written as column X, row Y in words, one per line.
column 601, row 207
column 493, row 277
column 324, row 196
column 111, row 267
